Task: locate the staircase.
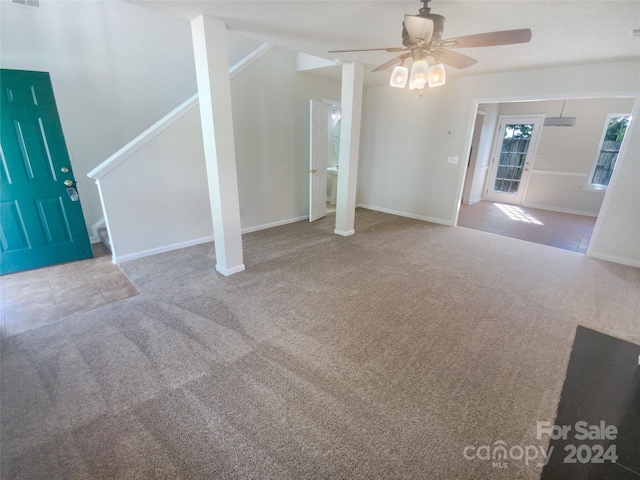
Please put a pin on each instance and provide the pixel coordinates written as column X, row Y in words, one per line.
column 104, row 238
column 132, row 220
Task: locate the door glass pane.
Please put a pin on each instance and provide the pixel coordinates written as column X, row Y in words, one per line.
column 513, row 154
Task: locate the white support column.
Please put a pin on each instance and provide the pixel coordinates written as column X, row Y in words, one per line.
column 214, row 90
column 351, row 103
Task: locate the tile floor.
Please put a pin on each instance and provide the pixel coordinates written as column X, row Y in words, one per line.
column 38, row 297
column 556, row 229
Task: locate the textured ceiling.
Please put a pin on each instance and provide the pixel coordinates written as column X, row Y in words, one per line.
column 563, row 31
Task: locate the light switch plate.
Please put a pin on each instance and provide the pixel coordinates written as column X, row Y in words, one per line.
column 453, row 159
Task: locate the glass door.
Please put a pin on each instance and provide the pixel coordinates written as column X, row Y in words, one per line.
column 512, row 157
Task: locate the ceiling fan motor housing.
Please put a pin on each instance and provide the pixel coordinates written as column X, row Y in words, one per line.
column 438, row 29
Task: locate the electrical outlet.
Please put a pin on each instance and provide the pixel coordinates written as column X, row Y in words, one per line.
column 449, row 133
column 453, row 159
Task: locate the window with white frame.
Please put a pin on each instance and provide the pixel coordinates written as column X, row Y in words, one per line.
column 614, row 130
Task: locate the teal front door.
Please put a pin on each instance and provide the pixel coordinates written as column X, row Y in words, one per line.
column 40, row 214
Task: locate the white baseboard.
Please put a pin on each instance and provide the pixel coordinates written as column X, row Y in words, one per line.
column 163, row 249
column 559, row 209
column 198, row 241
column 344, row 233
column 274, row 224
column 94, row 240
column 440, row 221
column 614, row 259
column 230, row 271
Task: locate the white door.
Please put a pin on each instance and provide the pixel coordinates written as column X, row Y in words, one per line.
column 318, row 161
column 514, row 150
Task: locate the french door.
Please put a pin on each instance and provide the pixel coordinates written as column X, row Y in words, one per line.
column 514, row 150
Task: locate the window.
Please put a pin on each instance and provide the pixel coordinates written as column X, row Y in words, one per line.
column 612, row 138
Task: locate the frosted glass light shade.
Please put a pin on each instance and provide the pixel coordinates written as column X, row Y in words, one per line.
column 437, row 75
column 399, row 76
column 419, row 74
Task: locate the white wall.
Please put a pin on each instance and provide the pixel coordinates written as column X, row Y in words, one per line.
column 157, row 199
column 404, row 151
column 616, row 233
column 404, row 164
column 566, row 155
column 116, row 69
column 271, row 121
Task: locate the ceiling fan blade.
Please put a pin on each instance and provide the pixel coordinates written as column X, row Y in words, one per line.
column 388, row 49
column 420, row 29
column 453, row 59
column 393, row 61
column 490, row 39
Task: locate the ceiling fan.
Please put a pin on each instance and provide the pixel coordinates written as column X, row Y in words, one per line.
column 422, row 38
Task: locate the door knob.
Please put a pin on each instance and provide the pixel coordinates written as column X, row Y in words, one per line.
column 64, row 170
column 313, row 170
column 68, row 183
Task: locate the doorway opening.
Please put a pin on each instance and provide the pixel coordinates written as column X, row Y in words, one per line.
column 325, row 123
column 537, row 189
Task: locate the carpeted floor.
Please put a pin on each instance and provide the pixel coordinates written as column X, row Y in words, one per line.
column 380, row 355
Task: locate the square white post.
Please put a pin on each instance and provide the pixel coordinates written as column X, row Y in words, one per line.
column 214, row 91
column 351, row 103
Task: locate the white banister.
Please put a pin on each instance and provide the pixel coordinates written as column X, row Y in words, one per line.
column 130, row 206
column 118, row 157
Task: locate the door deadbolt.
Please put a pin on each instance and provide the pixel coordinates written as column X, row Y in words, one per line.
column 68, row 183
column 64, row 170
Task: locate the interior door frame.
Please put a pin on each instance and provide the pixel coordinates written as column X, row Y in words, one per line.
column 470, row 176
column 537, row 120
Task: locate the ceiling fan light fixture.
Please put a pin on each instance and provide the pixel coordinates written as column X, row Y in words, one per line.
column 399, row 76
column 419, row 74
column 437, row 75
column 422, row 38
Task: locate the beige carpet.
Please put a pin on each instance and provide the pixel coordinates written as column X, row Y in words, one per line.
column 381, row 355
